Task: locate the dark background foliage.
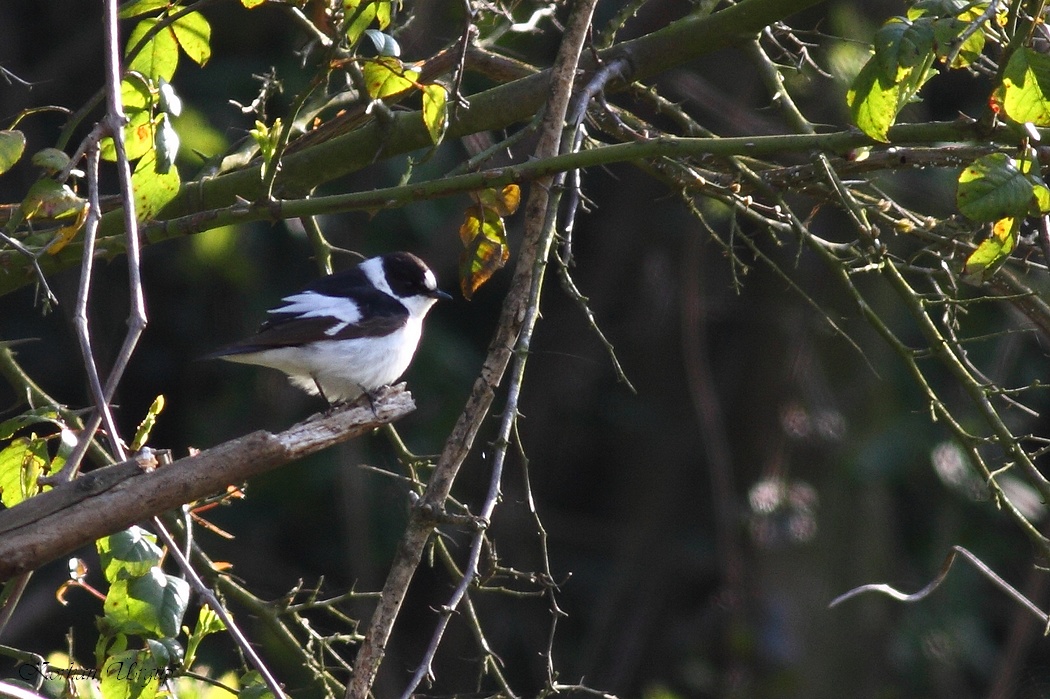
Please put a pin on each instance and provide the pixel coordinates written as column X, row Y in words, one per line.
column 680, row 568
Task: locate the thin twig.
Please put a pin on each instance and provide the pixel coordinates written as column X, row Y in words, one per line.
column 209, row 597
column 946, row 567
column 535, row 248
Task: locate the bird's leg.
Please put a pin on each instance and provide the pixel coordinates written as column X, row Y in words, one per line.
column 320, row 392
column 372, row 396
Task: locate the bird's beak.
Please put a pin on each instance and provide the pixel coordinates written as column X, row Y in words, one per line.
column 439, row 294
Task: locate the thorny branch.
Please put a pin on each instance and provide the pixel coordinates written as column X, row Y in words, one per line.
column 744, row 176
column 932, row 586
column 520, row 310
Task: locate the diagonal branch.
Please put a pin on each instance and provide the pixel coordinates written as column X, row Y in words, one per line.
column 520, row 310
column 107, row 500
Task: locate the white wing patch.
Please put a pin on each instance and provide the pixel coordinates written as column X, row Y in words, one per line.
column 310, row 304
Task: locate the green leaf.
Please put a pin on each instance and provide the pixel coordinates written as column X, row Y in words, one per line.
column 142, row 433
column 130, row 674
column 993, row 187
column 1026, row 87
column 138, row 101
column 152, row 189
column 135, row 93
column 872, row 101
column 167, row 652
column 253, row 687
column 130, row 553
column 946, row 33
column 22, row 462
column 49, row 199
column 267, row 137
column 901, row 45
column 1042, row 197
column 12, row 145
column 251, row 4
column 66, row 444
column 386, row 75
column 160, row 55
column 359, row 15
column 141, row 7
column 940, row 8
column 151, row 605
column 208, row 622
column 993, row 251
column 51, row 160
column 43, row 414
column 435, row 111
column 193, row 32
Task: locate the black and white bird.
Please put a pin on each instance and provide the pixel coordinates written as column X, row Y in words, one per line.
column 348, row 333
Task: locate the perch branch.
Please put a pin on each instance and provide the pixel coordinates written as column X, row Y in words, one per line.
column 107, row 500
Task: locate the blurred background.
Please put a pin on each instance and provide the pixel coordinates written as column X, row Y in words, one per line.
column 698, row 528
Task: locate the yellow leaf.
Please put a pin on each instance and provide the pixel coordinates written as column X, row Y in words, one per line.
column 386, row 76
column 66, row 233
column 485, row 238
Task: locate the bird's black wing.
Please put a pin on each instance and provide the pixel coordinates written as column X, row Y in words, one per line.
column 381, row 315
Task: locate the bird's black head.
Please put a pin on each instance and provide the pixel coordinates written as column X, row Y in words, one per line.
column 407, row 275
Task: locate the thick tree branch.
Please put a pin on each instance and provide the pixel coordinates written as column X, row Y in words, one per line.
column 533, row 169
column 101, row 502
column 496, row 108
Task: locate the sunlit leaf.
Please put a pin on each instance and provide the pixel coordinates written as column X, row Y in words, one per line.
column 385, row 76
column 130, row 674
column 208, row 622
column 138, row 137
column 504, row 201
column 946, row 33
column 67, row 443
column 359, row 16
column 1042, row 197
column 901, row 45
column 485, row 239
column 66, row 233
column 872, row 101
column 193, row 32
column 267, row 138
column 22, row 462
column 12, row 145
column 1026, row 87
column 993, row 251
column 138, row 102
column 135, row 93
column 141, row 7
column 144, row 428
column 993, row 187
column 129, row 553
column 49, row 199
column 44, row 414
column 250, row 4
column 152, row 189
column 159, row 56
column 435, row 111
